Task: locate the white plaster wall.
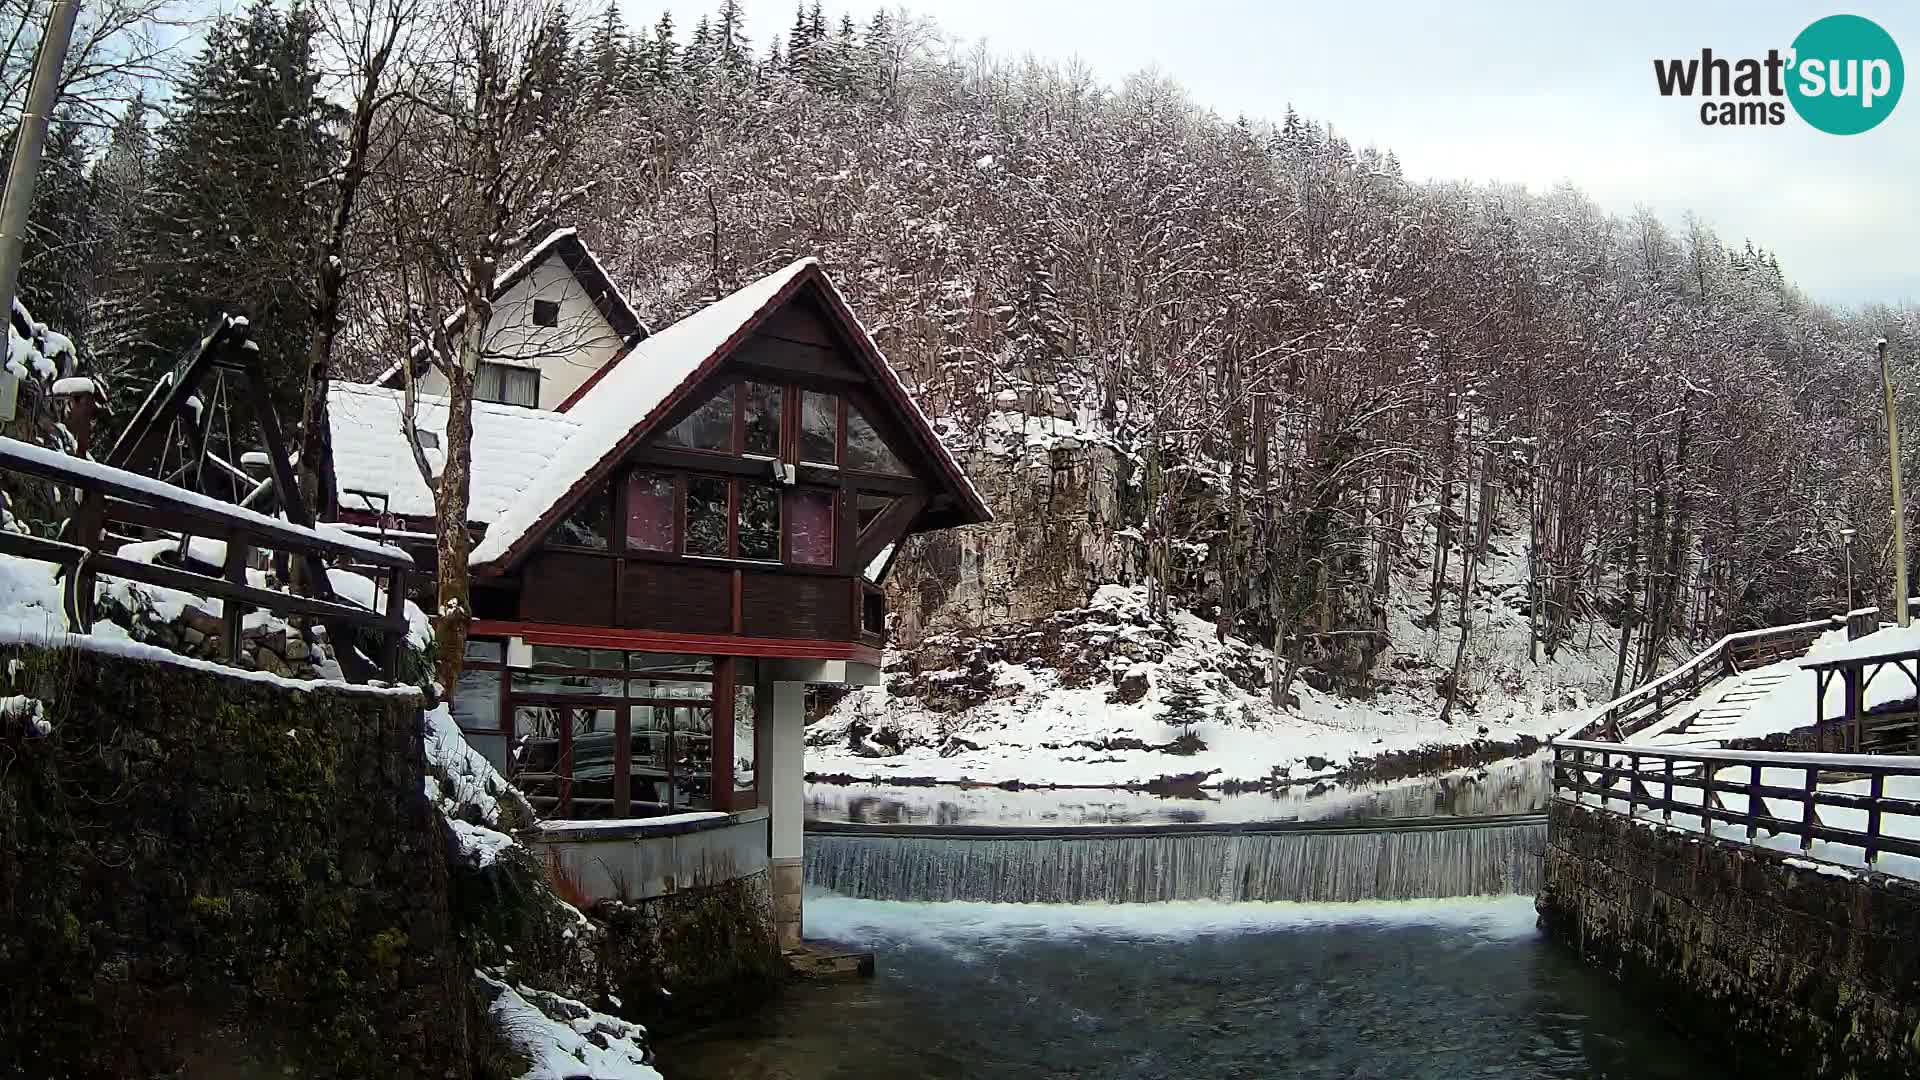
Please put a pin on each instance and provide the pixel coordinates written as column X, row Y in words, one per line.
column 639, row 867
column 565, row 354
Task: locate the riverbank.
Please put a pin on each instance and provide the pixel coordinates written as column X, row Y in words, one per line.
column 1111, row 697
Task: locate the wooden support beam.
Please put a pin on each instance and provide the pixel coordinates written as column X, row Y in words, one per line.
column 888, row 528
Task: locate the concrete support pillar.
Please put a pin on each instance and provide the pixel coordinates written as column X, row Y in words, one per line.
column 785, row 777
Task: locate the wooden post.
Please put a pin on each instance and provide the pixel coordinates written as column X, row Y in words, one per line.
column 1850, row 679
column 1874, row 792
column 87, row 524
column 1666, row 812
column 394, row 642
column 1753, row 800
column 1706, row 798
column 720, row 764
column 1633, row 784
column 623, row 761
column 1806, row 808
column 233, row 613
column 563, row 767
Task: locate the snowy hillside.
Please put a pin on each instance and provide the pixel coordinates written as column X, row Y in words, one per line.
column 1104, row 696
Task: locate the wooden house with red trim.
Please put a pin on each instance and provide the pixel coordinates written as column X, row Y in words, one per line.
column 693, row 532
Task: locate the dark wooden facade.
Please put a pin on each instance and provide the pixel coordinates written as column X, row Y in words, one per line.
column 614, row 592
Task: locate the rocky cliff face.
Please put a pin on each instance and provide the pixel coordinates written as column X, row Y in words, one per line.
column 1058, row 534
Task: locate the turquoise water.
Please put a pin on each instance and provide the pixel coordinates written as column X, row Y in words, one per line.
column 1395, row 991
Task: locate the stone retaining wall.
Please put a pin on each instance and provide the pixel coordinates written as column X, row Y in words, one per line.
column 208, row 875
column 1789, row 970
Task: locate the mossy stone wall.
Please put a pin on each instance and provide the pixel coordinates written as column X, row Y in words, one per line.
column 1790, row 972
column 694, row 955
column 208, row 876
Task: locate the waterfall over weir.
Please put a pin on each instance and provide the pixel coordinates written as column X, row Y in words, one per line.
column 1383, row 860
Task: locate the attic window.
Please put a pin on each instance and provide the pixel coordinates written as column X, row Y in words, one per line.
column 546, row 313
column 505, row 384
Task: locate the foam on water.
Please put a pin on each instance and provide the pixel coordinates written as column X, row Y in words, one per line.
column 963, row 924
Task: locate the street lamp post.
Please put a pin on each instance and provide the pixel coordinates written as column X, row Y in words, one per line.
column 1846, row 539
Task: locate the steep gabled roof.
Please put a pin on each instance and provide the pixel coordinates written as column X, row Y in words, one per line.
column 634, row 393
column 586, row 269
column 511, row 446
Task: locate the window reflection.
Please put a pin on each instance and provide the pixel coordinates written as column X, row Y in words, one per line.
column 710, row 427
column 761, row 431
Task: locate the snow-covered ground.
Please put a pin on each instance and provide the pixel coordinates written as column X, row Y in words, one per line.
column 1033, row 722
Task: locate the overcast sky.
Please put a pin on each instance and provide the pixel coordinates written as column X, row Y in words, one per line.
column 1518, row 92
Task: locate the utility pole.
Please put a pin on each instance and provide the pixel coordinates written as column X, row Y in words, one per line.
column 29, row 140
column 1899, row 507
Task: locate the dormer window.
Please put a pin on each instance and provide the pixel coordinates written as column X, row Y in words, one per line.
column 546, row 313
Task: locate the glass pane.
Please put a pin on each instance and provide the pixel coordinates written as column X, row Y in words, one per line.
column 593, row 752
column 819, row 424
column 866, row 451
column 557, row 656
column 522, row 387
column 759, row 521
column 536, row 731
column 485, row 650
column 744, row 774
column 762, row 428
column 649, row 511
column 587, row 524
column 693, row 758
column 647, row 661
column 476, row 700
column 652, row 751
column 709, row 428
column 811, row 515
column 867, row 507
column 706, row 516
column 668, row 688
column 488, row 382
column 527, row 682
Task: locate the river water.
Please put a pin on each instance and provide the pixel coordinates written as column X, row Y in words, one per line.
column 1516, row 786
column 1416, row 990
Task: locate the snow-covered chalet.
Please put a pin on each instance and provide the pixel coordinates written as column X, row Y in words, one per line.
column 676, row 533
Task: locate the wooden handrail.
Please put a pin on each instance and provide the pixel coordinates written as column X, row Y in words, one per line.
column 1620, row 717
column 112, row 495
column 1615, row 773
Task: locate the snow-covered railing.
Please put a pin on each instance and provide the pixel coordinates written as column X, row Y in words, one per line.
column 1869, row 802
column 1647, row 704
column 115, row 495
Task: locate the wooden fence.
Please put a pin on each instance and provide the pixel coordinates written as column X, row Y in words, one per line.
column 1694, row 782
column 114, row 495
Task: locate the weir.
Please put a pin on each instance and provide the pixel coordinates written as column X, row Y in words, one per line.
column 1304, row 861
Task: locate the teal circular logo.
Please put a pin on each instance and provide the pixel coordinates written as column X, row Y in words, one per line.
column 1846, row 76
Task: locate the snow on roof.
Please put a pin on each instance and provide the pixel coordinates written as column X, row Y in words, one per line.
column 629, row 393
column 1891, row 641
column 511, row 446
